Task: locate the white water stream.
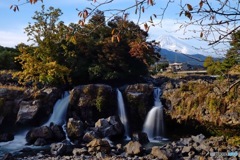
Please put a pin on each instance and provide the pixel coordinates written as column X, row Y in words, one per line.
column 122, row 113
column 154, row 123
column 58, row 117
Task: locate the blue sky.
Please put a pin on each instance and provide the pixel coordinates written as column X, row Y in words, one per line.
column 13, row 23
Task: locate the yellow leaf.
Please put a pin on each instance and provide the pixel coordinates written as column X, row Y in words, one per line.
column 118, row 38
column 113, row 31
column 112, row 39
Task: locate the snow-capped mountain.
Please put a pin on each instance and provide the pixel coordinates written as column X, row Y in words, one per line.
column 176, row 45
column 175, row 50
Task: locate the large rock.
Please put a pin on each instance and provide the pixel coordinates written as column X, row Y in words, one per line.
column 27, row 111
column 111, row 127
column 92, row 102
column 158, row 153
column 39, row 103
column 6, row 137
column 138, row 101
column 9, row 100
column 75, row 129
column 133, row 148
column 39, row 132
column 98, row 145
column 196, row 107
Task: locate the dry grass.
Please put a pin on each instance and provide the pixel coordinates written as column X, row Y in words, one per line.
column 12, row 87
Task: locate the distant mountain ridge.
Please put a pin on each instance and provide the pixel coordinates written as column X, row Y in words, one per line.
column 174, row 50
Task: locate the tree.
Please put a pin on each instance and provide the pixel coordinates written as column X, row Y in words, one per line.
column 43, row 62
column 7, row 60
column 79, row 54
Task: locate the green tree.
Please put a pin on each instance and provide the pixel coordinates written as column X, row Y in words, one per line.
column 7, row 60
column 43, row 62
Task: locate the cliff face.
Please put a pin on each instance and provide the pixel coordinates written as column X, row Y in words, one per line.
column 204, row 102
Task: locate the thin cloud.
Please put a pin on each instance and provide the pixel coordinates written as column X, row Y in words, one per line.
column 11, row 39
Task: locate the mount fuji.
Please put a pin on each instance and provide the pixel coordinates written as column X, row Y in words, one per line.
column 175, row 50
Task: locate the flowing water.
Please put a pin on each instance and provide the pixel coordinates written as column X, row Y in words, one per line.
column 58, row 117
column 154, row 123
column 122, row 113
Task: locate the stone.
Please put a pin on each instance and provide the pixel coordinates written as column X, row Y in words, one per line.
column 99, row 145
column 141, row 137
column 58, row 132
column 75, row 128
column 198, row 138
column 40, row 142
column 27, row 111
column 90, row 135
column 102, row 123
column 79, row 151
column 39, row 132
column 158, row 153
column 58, row 149
column 133, row 148
column 4, row 137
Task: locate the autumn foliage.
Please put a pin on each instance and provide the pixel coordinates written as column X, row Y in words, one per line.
column 93, row 52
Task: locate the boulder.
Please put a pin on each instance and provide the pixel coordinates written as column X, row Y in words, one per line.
column 9, row 100
column 141, row 137
column 40, row 132
column 36, row 104
column 111, row 127
column 98, row 145
column 75, row 128
column 92, row 102
column 90, row 135
column 58, row 149
column 27, row 111
column 6, row 137
column 58, row 132
column 133, row 148
column 138, row 101
column 159, row 153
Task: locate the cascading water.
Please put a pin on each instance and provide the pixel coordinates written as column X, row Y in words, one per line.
column 154, row 123
column 59, row 111
column 122, row 113
column 58, row 117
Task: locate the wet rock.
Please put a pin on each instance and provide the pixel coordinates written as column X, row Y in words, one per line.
column 58, row 132
column 40, row 142
column 141, row 137
column 40, row 132
column 6, row 137
column 8, row 156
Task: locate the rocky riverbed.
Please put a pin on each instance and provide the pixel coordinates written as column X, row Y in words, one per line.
column 194, row 147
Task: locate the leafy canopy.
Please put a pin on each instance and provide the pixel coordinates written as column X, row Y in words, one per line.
column 73, row 54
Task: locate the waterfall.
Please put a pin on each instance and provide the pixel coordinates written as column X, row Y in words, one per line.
column 154, row 123
column 58, row 117
column 122, row 113
column 59, row 111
